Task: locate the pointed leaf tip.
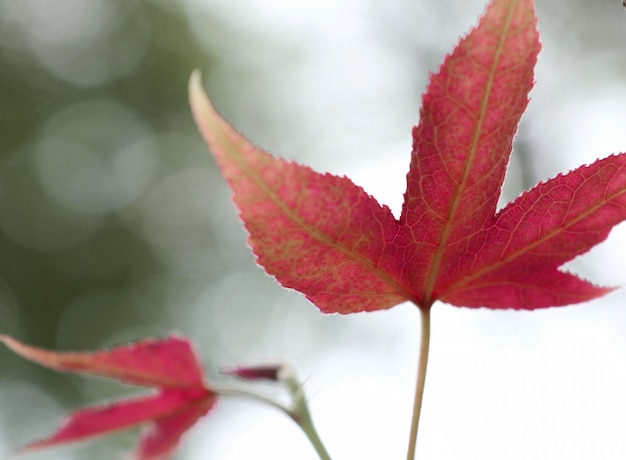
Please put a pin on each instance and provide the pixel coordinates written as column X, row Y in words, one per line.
column 201, row 107
column 195, row 89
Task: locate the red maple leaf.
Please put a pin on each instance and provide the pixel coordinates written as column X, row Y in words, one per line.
column 170, row 365
column 327, row 238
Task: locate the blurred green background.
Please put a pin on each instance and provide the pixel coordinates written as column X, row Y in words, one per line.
column 115, row 224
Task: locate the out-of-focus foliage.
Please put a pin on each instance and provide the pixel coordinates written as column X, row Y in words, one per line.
column 96, row 177
column 89, row 93
column 93, row 115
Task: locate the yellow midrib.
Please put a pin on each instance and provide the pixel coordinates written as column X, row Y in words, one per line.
column 429, row 284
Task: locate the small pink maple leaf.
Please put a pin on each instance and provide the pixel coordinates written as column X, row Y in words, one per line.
column 170, row 365
column 327, row 238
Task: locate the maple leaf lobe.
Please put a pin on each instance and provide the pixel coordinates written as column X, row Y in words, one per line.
column 462, row 144
column 541, row 230
column 317, row 233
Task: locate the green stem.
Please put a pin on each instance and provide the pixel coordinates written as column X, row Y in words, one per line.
column 298, row 412
column 305, row 422
column 421, row 380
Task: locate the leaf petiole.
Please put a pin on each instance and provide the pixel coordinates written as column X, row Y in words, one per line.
column 421, row 380
column 298, row 411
